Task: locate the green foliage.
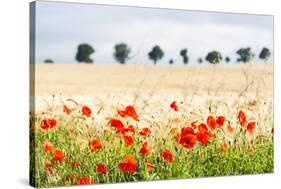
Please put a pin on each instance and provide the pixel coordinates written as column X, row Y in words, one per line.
column 245, row 55
column 121, row 53
column 84, row 52
column 49, row 61
column 156, row 54
column 264, row 54
column 214, row 57
column 185, row 58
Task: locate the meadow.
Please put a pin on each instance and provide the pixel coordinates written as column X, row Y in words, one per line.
column 94, row 124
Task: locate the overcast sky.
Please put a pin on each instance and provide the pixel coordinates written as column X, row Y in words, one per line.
column 60, row 27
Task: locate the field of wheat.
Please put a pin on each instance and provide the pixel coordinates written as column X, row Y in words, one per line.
column 120, row 123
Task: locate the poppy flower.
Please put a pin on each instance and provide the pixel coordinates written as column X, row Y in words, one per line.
column 95, row 145
column 203, row 128
column 67, row 110
column 187, row 130
column 131, row 128
column 86, row 111
column 229, row 129
column 47, row 146
column 145, row 131
column 167, row 155
column 129, row 112
column 202, row 137
column 128, row 140
column 58, row 155
column 194, row 124
column 128, row 165
column 251, row 126
column 101, row 168
column 174, row 106
column 220, row 121
column 117, row 124
column 188, row 140
column 242, row 118
column 211, row 122
column 48, row 123
column 83, row 180
column 144, row 149
column 149, row 166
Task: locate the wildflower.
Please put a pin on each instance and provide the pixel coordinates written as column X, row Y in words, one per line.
column 220, row 121
column 67, row 110
column 117, row 124
column 128, row 140
column 95, row 145
column 101, row 168
column 144, row 149
column 242, row 118
column 202, row 137
column 174, row 106
column 86, row 111
column 47, row 146
column 211, row 122
column 145, row 131
column 129, row 112
column 48, row 123
column 83, row 180
column 128, row 165
column 58, row 155
column 167, row 155
column 188, row 140
column 251, row 126
column 130, row 128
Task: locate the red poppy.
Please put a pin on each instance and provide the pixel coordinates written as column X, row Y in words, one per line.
column 220, row 121
column 128, row 140
column 167, row 155
column 83, row 180
column 211, row 122
column 194, row 124
column 67, row 110
column 145, row 131
column 187, row 130
column 251, row 126
column 86, row 111
column 174, row 106
column 131, row 128
column 47, row 146
column 129, row 112
column 58, row 155
column 117, row 124
column 48, row 123
column 188, row 140
column 203, row 128
column 242, row 118
column 101, row 168
column 202, row 137
column 95, row 145
column 128, row 165
column 144, row 149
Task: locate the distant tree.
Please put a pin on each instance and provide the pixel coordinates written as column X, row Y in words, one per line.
column 213, row 57
column 171, row 61
column 185, row 58
column 156, row 54
column 200, row 60
column 245, row 55
column 264, row 54
column 121, row 53
column 49, row 61
column 227, row 59
column 84, row 52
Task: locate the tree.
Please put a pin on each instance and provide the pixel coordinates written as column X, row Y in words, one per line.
column 49, row 61
column 245, row 55
column 83, row 53
column 156, row 54
column 171, row 61
column 122, row 52
column 200, row 60
column 227, row 59
column 185, row 58
column 264, row 54
column 214, row 57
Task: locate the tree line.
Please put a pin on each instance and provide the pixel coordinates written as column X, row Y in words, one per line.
column 122, row 55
